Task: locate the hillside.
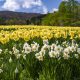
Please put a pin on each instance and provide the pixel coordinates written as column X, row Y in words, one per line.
column 9, row 17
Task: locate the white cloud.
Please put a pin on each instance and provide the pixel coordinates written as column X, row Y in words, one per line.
column 54, row 10
column 14, row 5
column 42, row 9
column 64, row 0
column 45, row 10
column 30, row 3
column 11, row 5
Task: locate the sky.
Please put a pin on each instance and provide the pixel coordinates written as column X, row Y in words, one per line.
column 30, row 6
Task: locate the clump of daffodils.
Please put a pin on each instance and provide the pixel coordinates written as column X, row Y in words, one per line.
column 16, row 52
column 54, row 50
column 58, row 51
column 54, row 54
column 34, row 47
column 26, row 48
column 40, row 55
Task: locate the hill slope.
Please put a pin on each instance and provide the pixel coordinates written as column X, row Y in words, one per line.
column 9, row 17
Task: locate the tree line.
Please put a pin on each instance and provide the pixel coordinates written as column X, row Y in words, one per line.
column 68, row 14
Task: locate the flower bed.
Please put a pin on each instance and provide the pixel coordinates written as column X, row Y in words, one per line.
column 39, row 54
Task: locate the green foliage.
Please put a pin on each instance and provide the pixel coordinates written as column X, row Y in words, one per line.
column 2, row 20
column 68, row 15
column 33, row 69
column 76, row 23
column 15, row 21
column 51, row 19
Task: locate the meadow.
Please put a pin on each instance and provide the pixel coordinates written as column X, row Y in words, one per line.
column 39, row 53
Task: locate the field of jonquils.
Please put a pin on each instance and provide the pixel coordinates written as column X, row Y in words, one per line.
column 39, row 53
